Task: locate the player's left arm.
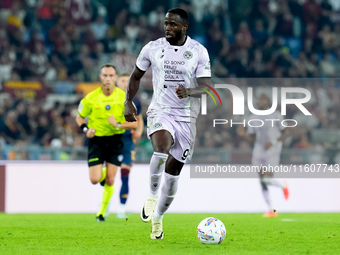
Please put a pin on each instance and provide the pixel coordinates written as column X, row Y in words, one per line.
column 281, row 138
column 137, row 134
column 202, row 88
column 284, row 134
column 124, row 125
column 203, row 77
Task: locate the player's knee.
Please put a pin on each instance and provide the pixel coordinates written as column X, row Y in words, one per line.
column 173, row 171
column 161, row 141
column 94, row 180
column 110, row 180
column 162, row 149
column 124, row 172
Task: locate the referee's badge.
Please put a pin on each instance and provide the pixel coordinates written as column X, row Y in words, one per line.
column 108, row 107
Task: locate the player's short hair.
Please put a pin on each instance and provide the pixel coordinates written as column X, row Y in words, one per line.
column 108, row 65
column 123, row 75
column 181, row 13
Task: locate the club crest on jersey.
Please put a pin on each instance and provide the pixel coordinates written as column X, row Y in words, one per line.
column 187, row 55
column 157, row 125
column 108, row 107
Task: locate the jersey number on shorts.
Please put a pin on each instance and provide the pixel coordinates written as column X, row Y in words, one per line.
column 185, row 154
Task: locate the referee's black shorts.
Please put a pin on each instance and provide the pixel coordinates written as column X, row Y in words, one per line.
column 105, row 148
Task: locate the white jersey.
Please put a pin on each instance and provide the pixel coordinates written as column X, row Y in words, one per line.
column 269, row 132
column 172, row 67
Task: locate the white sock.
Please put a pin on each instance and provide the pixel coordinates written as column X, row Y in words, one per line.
column 157, row 166
column 157, row 216
column 121, row 208
column 168, row 193
column 266, row 196
column 272, row 181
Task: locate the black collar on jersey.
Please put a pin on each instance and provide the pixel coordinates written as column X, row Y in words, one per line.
column 176, row 49
column 184, row 40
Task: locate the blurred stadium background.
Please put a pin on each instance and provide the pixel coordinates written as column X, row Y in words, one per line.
column 51, row 52
column 50, row 55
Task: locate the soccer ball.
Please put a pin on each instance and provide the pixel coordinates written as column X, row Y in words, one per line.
column 211, row 231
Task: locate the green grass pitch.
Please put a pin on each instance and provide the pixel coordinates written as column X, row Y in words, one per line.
column 246, row 234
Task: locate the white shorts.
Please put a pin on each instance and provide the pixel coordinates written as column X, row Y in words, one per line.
column 258, row 161
column 267, row 157
column 183, row 135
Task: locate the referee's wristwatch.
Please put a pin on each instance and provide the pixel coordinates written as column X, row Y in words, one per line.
column 119, row 124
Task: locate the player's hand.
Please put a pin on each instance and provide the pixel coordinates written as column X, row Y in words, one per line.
column 113, row 121
column 90, row 133
column 182, row 92
column 130, row 112
column 267, row 145
column 136, row 136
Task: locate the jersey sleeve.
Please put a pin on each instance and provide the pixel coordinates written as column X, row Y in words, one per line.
column 203, row 68
column 84, row 107
column 143, row 61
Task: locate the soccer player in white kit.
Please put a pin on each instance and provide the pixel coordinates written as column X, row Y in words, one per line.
column 179, row 64
column 267, row 149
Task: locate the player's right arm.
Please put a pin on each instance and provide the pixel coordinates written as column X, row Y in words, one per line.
column 130, row 111
column 142, row 64
column 84, row 109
